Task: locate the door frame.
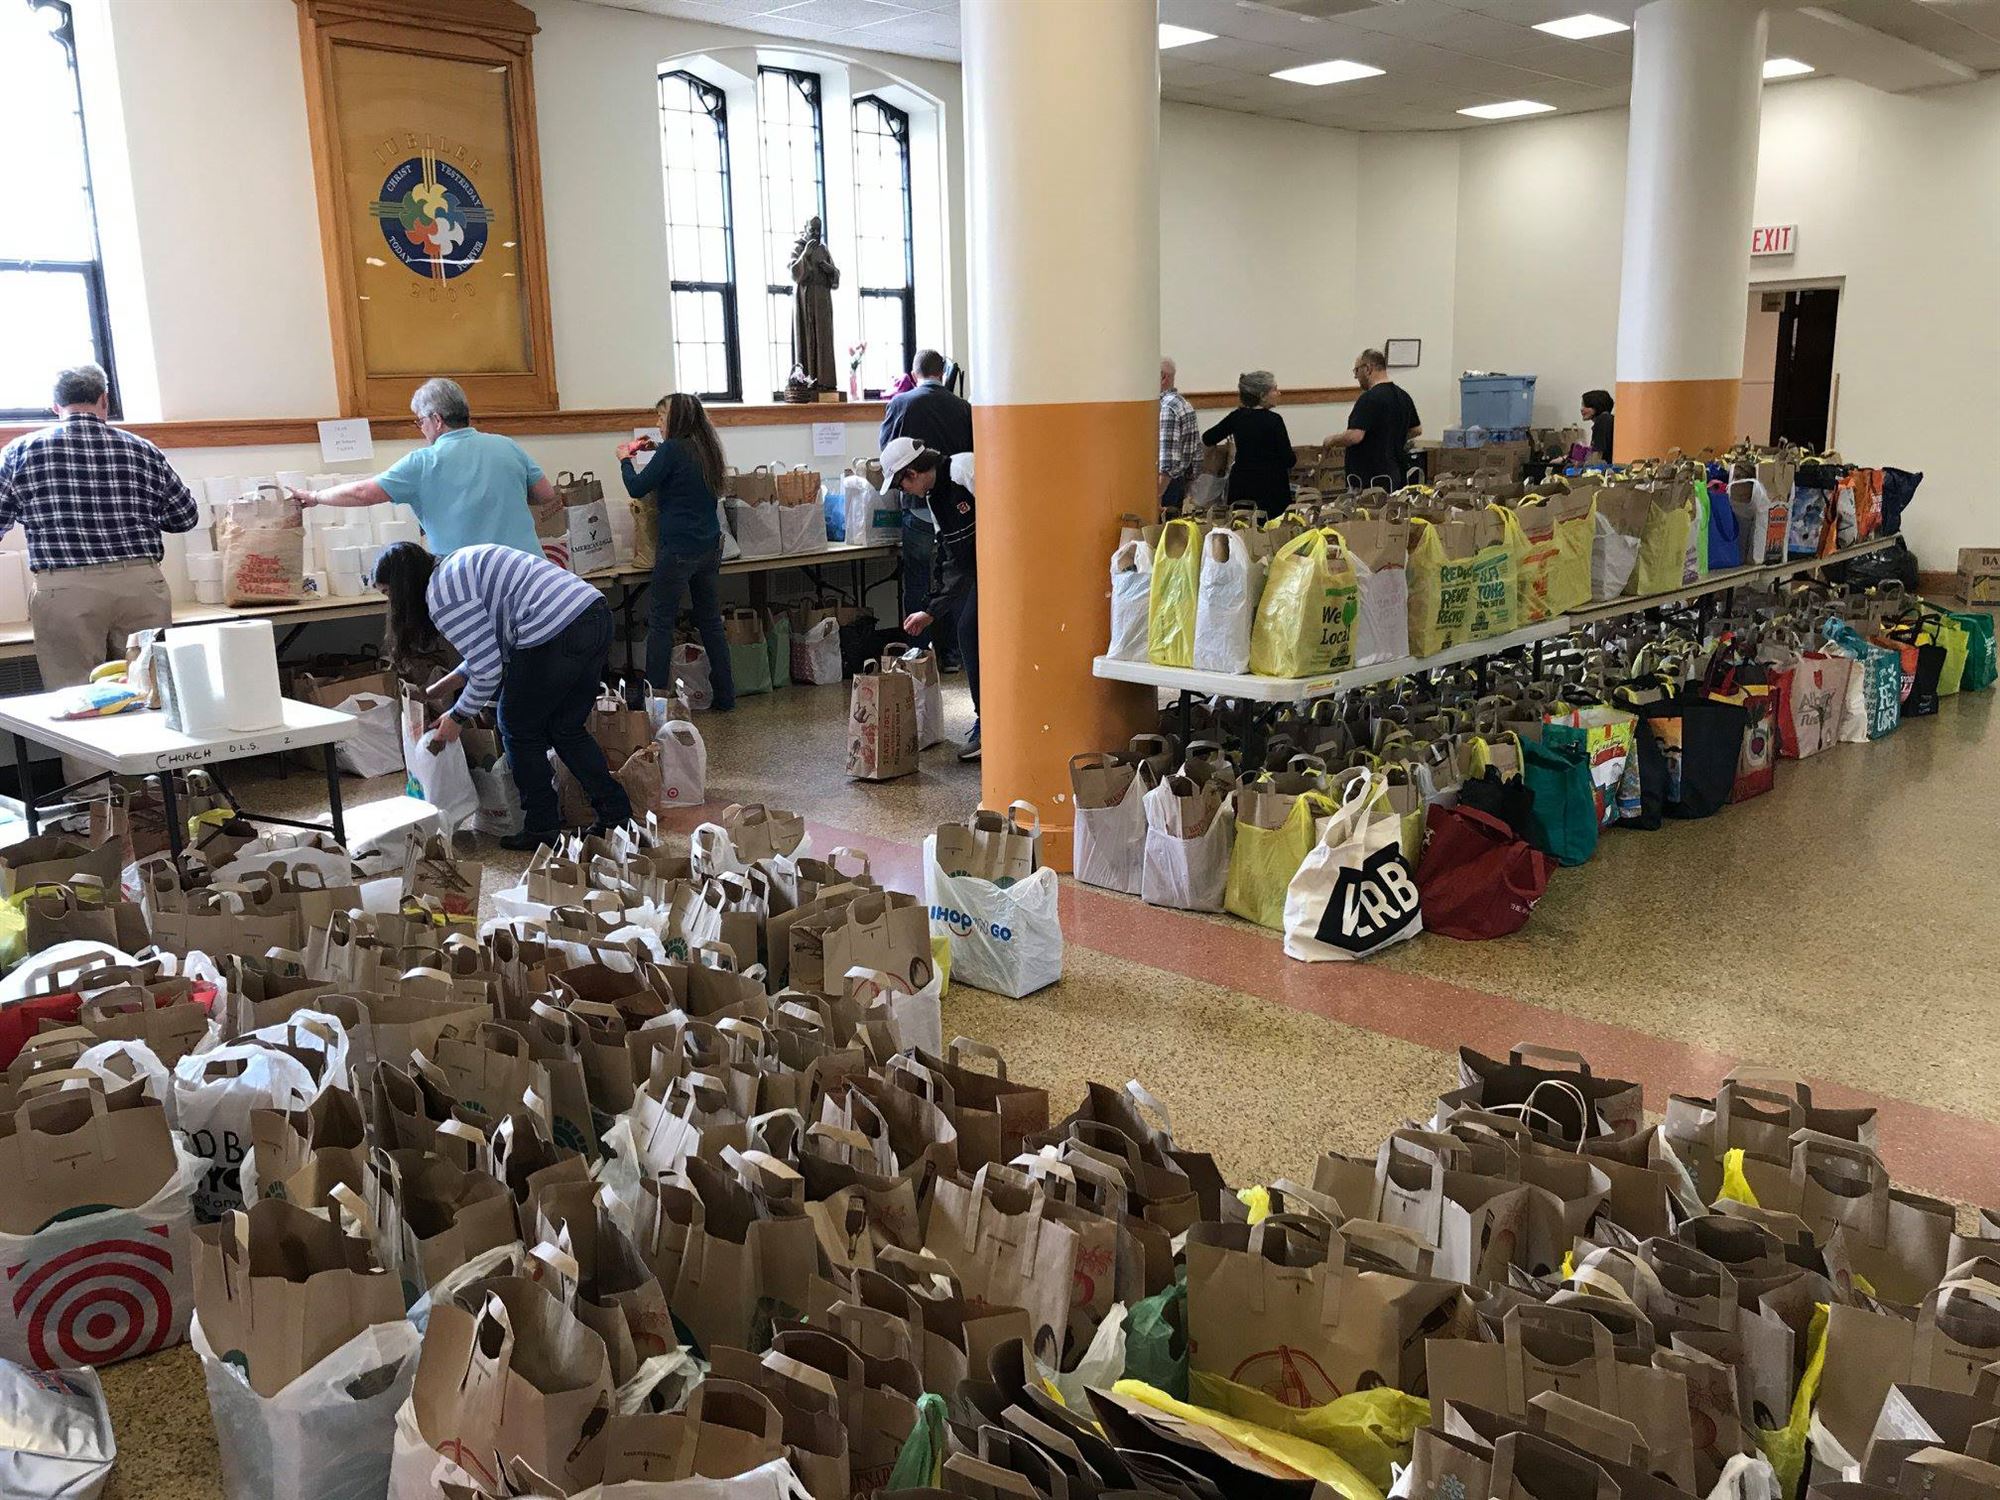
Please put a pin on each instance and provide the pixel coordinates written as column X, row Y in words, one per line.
column 1816, row 284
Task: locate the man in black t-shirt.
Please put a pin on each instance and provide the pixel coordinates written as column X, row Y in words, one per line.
column 1380, row 427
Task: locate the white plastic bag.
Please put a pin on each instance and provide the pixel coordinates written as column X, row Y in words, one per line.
column 1354, row 895
column 692, row 677
column 1187, row 874
column 1613, row 556
column 683, row 764
column 1007, row 940
column 1131, row 595
column 1225, row 603
column 214, row 1093
column 775, row 1480
column 328, row 1434
column 758, row 527
column 730, row 551
column 499, row 799
column 870, row 515
column 57, row 1442
column 119, row 1062
column 1382, row 623
column 918, row 1018
column 376, row 746
column 1102, row 1365
column 816, row 654
column 802, row 528
column 444, row 776
column 1111, row 841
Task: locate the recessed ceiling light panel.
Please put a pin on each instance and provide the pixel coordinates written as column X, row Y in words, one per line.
column 1582, row 28
column 1786, row 67
column 1508, row 109
column 1337, row 70
column 1182, row 36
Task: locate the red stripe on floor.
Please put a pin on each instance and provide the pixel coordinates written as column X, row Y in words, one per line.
column 1929, row 1149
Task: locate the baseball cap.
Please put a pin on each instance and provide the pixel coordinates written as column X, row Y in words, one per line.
column 900, row 453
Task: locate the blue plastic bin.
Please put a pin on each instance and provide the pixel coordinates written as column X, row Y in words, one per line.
column 1492, row 401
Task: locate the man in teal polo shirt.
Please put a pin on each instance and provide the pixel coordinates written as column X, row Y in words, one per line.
column 465, row 485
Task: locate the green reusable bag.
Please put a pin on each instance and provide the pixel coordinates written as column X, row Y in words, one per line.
column 919, row 1463
column 1156, row 1340
column 1982, row 663
column 1562, row 821
column 778, row 641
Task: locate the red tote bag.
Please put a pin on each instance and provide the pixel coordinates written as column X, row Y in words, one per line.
column 1477, row 879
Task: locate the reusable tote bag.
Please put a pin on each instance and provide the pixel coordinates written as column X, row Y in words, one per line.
column 1663, row 546
column 1353, row 895
column 1226, row 603
column 1170, row 606
column 1478, row 880
column 1275, row 831
column 1608, row 736
column 1558, row 534
column 1190, row 831
column 1982, row 663
column 1131, row 595
column 1430, row 630
column 1563, row 816
column 1305, row 619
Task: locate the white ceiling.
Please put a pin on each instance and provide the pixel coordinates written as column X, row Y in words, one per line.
column 1437, row 56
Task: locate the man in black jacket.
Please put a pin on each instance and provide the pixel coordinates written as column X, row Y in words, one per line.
column 942, row 489
column 941, row 422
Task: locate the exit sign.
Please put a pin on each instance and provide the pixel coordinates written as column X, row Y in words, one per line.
column 1774, row 239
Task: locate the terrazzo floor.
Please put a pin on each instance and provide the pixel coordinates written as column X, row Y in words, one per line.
column 1843, row 929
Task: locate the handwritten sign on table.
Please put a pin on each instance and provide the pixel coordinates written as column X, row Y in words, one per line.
column 345, row 440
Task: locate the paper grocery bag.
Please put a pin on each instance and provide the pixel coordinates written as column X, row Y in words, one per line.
column 1006, row 1249
column 56, row 859
column 997, row 847
column 262, row 539
column 881, row 724
column 552, row 530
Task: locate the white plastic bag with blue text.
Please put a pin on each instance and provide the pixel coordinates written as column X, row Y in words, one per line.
column 1007, row 940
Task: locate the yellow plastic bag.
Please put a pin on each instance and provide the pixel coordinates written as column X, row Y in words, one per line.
column 1305, row 619
column 1176, row 582
column 1785, row 1447
column 1308, row 1457
column 1424, row 574
column 13, row 934
column 1495, row 571
column 1263, row 860
column 1663, row 547
column 1368, row 1429
column 1555, row 565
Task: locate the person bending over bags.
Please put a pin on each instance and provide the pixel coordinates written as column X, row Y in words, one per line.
column 943, row 489
column 530, row 635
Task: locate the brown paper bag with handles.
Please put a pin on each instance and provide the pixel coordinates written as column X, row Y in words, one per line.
column 881, row 724
column 998, row 846
column 1754, row 1111
column 432, row 1216
column 749, row 1254
column 994, row 1115
column 171, row 1025
column 1956, row 1335
column 1545, row 1096
column 56, row 859
column 1006, row 1249
column 262, row 539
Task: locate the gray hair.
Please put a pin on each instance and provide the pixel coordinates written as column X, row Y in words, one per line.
column 1254, row 385
column 1168, row 369
column 80, row 385
column 443, row 399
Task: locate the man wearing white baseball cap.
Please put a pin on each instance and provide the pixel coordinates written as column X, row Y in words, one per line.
column 920, row 475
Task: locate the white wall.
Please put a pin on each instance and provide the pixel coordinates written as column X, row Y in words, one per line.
column 1405, row 265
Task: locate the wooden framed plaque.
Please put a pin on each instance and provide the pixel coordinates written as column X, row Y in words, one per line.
column 430, row 199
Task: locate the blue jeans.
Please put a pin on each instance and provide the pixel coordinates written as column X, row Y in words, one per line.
column 696, row 577
column 546, row 696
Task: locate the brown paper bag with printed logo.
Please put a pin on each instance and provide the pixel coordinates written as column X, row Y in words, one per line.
column 881, row 724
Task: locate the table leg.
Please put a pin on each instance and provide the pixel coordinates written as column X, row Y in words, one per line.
column 170, row 807
column 1246, row 726
column 333, row 795
column 24, row 772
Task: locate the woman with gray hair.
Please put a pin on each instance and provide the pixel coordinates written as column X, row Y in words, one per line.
column 1261, row 474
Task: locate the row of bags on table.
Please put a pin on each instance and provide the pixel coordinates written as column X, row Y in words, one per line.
column 812, row 643
column 775, row 511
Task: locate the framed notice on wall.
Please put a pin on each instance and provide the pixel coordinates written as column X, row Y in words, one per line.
column 423, row 126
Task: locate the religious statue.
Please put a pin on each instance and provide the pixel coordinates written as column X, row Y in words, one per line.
column 814, row 276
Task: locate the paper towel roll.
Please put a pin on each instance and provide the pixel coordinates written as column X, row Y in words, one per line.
column 345, row 560
column 246, row 658
column 369, row 557
column 222, row 487
column 344, row 583
column 203, row 567
column 201, row 707
column 391, row 532
column 295, row 479
column 206, row 590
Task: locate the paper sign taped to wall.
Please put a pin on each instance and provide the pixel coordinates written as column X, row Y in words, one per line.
column 345, row 439
column 829, row 439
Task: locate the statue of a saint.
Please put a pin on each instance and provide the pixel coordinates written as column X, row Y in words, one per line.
column 814, row 276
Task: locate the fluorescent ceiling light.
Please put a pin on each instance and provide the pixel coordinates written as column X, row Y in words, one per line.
column 1339, row 70
column 1580, row 28
column 1786, row 67
column 1508, row 109
column 1182, row 36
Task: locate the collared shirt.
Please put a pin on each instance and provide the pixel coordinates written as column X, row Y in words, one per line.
column 1180, row 436
column 466, row 487
column 490, row 601
column 89, row 493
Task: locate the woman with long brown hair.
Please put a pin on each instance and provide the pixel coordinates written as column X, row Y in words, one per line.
column 684, row 475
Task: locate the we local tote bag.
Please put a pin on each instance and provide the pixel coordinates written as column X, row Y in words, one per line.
column 1354, row 895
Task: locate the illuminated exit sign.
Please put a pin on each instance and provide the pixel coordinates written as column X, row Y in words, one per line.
column 1774, row 239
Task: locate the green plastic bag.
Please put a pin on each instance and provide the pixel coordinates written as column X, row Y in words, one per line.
column 1982, row 664
column 918, row 1466
column 1562, row 820
column 1156, row 1340
column 778, row 646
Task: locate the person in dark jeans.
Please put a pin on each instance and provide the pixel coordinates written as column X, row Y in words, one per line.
column 684, row 475
column 944, row 488
column 531, row 636
column 938, row 420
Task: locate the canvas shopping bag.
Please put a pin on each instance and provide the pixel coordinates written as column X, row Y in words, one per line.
column 1663, row 545
column 262, row 539
column 1172, row 603
column 1564, row 820
column 1131, row 598
column 1379, row 550
column 1226, row 603
column 592, row 545
column 1306, row 617
column 1477, row 879
column 1558, row 534
column 1354, row 895
column 1190, row 833
column 1609, row 739
column 881, row 724
column 1275, row 831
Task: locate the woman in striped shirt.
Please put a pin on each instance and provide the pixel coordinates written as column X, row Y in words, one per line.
column 530, row 636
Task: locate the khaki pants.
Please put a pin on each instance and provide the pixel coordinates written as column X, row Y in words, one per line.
column 81, row 617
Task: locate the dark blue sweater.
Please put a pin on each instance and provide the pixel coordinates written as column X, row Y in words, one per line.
column 688, row 526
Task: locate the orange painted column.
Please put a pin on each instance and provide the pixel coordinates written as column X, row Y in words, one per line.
column 1690, row 186
column 1062, row 140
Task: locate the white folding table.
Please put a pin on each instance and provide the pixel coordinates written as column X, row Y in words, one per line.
column 141, row 744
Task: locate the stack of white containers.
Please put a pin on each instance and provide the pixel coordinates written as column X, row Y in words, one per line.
column 14, row 583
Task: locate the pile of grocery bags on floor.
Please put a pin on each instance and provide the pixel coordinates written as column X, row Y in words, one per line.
column 1444, row 804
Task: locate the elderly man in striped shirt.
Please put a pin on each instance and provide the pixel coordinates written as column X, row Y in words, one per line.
column 530, row 636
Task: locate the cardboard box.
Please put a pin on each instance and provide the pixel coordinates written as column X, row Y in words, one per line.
column 1979, row 575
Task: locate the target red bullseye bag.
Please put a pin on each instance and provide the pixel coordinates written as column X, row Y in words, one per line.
column 96, row 1229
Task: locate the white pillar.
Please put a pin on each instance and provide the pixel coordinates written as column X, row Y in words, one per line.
column 1690, row 187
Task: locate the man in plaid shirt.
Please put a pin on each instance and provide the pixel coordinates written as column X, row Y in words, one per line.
column 93, row 499
column 1180, row 439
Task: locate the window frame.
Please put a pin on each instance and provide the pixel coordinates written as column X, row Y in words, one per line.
column 899, row 129
column 92, row 270
column 813, row 88
column 716, row 104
